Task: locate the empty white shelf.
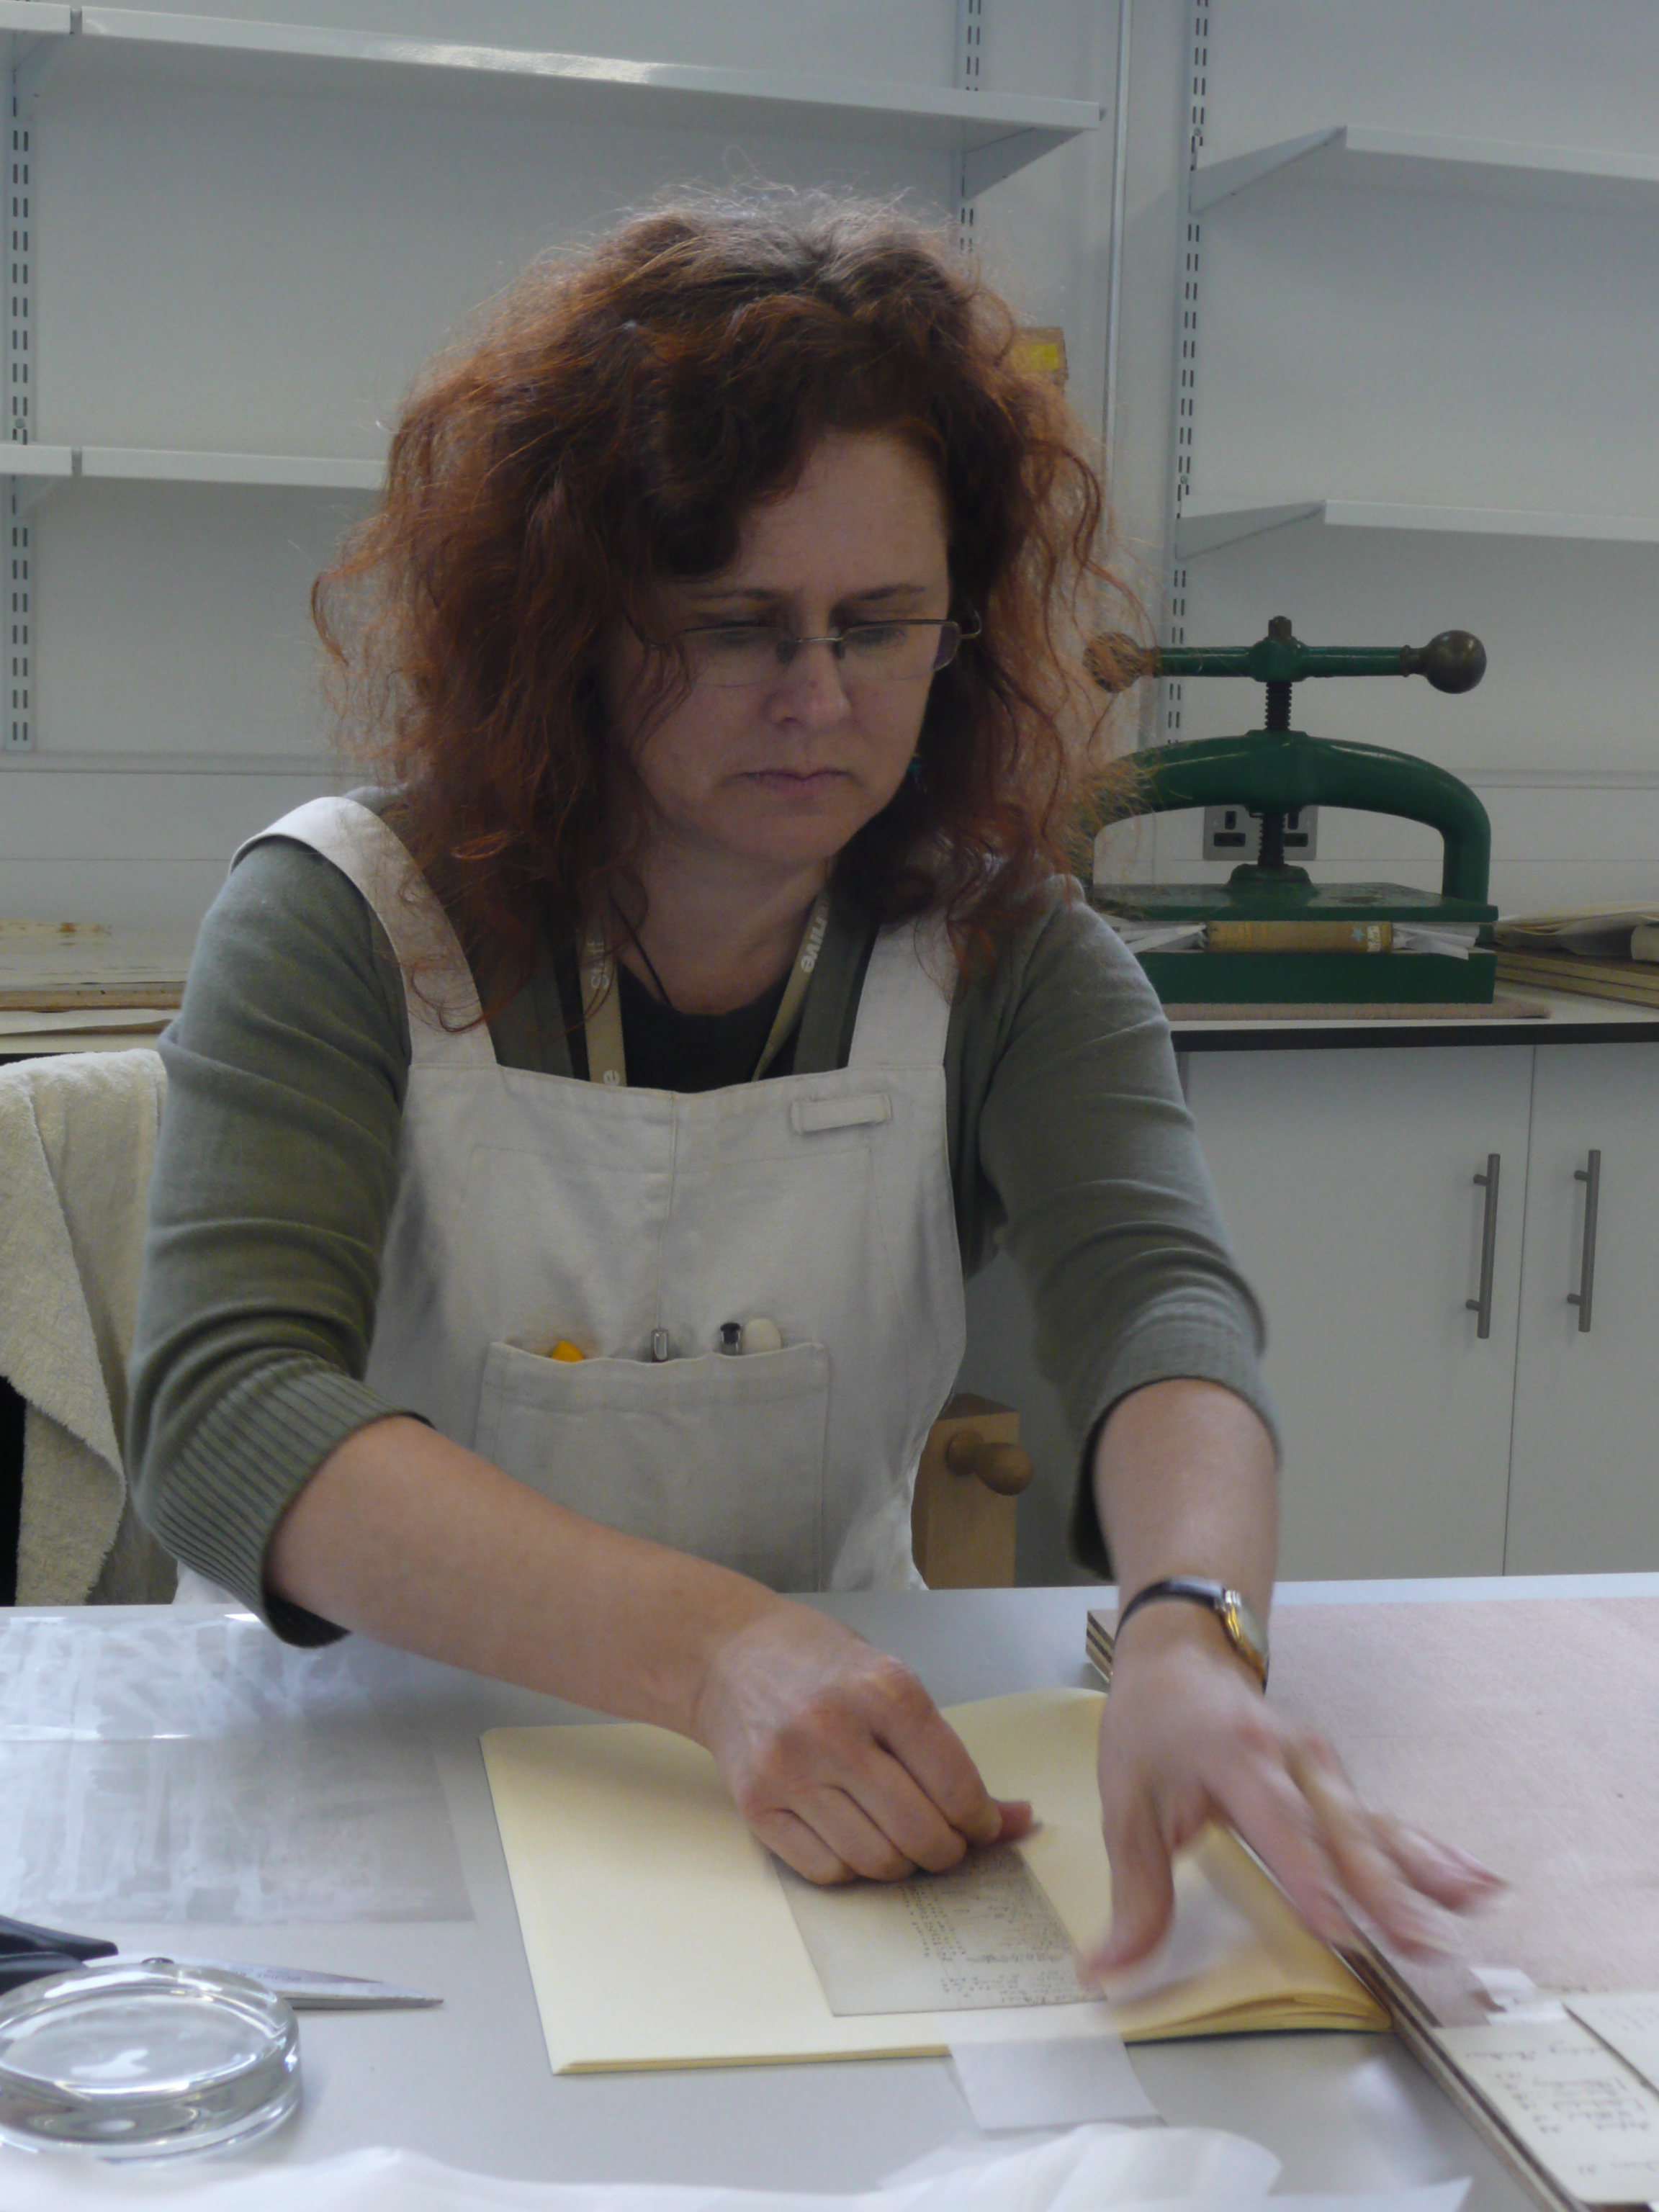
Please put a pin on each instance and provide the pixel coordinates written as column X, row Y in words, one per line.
column 142, row 465
column 98, row 761
column 1208, row 530
column 45, row 467
column 995, row 134
column 1405, row 160
column 40, row 460
column 46, row 463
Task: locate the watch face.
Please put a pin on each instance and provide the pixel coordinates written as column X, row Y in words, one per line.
column 1238, row 1619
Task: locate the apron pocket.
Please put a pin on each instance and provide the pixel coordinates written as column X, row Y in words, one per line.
column 718, row 1456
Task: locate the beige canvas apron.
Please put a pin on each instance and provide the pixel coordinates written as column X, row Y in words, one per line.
column 533, row 1208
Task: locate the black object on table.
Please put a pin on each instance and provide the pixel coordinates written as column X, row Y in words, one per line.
column 11, row 1488
column 29, row 1953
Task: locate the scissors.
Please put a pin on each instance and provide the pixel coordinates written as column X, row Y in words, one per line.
column 28, row 1954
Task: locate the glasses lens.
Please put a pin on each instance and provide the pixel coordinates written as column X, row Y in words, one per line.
column 950, row 635
column 734, row 655
column 890, row 652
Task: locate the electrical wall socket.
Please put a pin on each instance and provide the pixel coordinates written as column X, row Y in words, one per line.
column 1234, row 833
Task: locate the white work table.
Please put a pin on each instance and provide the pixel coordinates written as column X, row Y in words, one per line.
column 1567, row 1019
column 469, row 2084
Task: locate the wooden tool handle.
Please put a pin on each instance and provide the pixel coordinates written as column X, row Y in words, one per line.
column 1002, row 1467
column 1116, row 662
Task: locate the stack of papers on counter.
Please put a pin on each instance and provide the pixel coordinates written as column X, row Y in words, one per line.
column 1599, row 952
column 1588, row 932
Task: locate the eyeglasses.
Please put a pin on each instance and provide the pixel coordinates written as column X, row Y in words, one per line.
column 729, row 655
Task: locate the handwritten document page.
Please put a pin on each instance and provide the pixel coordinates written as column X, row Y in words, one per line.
column 1630, row 2024
column 1579, row 2110
column 983, row 1935
column 657, row 1932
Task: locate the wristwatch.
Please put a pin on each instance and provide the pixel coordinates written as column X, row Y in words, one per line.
column 1239, row 1618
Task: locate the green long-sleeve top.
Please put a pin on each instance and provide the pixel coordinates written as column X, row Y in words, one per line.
column 1069, row 1143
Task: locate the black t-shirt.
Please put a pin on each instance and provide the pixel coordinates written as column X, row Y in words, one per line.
column 670, row 1051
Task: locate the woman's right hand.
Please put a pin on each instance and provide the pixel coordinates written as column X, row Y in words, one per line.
column 836, row 1756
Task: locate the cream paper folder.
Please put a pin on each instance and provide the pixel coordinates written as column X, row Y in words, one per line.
column 658, row 1933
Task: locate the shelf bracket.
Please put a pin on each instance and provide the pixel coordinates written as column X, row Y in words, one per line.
column 1215, row 181
column 1200, row 533
column 28, row 493
column 35, row 62
column 983, row 166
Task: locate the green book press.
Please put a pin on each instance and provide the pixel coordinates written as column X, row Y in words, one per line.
column 1276, row 772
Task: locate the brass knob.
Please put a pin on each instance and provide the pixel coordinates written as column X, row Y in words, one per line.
column 1002, row 1467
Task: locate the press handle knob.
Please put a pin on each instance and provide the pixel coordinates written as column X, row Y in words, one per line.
column 1454, row 661
column 1002, row 1467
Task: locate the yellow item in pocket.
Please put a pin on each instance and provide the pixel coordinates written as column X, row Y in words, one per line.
column 565, row 1350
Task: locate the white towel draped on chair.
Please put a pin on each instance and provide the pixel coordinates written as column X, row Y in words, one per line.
column 77, row 1142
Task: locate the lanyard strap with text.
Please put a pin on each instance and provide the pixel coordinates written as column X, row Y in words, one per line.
column 602, row 1019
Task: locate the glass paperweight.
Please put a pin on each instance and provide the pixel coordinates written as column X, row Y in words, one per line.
column 145, row 2060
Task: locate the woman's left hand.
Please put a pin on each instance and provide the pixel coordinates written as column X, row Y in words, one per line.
column 1188, row 1738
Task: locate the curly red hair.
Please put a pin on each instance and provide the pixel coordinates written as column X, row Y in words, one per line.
column 608, row 428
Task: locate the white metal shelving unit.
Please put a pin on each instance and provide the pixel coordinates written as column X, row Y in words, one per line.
column 989, row 138
column 996, row 137
column 1414, row 388
column 1359, row 158
column 235, row 240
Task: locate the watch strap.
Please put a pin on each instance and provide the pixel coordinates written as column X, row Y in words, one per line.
column 1238, row 1620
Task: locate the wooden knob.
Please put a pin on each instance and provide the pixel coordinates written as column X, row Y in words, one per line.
column 1116, row 662
column 1002, row 1467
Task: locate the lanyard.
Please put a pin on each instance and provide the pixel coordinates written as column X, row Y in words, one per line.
column 602, row 1021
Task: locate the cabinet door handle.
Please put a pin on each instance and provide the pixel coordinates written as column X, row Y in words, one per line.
column 1482, row 1305
column 1590, row 1176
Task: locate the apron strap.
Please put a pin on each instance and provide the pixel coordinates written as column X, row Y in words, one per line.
column 442, row 1000
column 601, row 1010
column 904, row 1008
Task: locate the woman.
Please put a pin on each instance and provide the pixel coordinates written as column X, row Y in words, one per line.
column 572, row 1150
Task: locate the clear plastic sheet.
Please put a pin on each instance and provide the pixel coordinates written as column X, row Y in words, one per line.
column 198, row 1770
column 1101, row 2169
column 1089, row 2170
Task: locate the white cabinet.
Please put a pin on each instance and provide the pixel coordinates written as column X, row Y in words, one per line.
column 1346, row 1179
column 1584, row 1474
column 1413, row 1444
